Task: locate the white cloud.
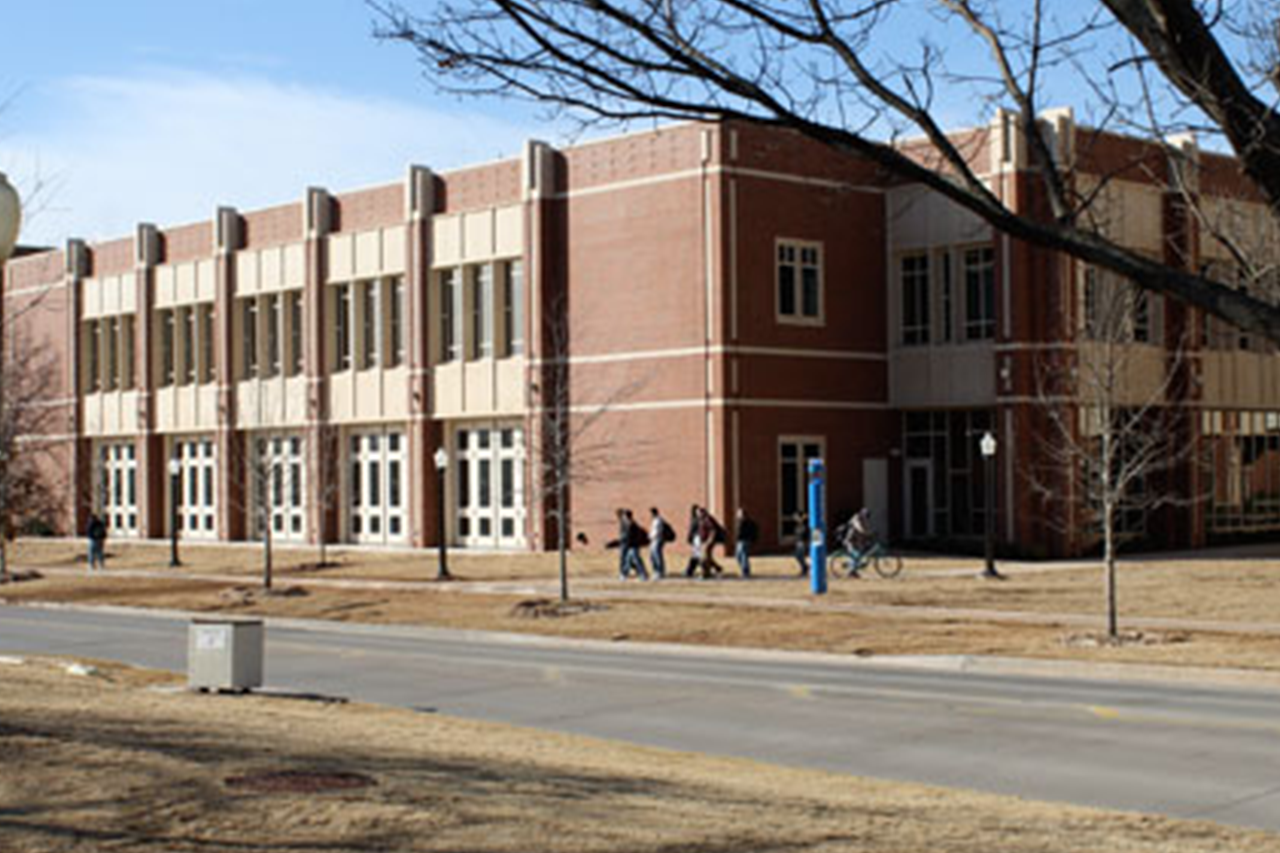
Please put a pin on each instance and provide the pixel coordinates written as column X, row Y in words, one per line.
column 169, row 146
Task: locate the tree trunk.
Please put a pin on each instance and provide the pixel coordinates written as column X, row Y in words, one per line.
column 266, row 552
column 1109, row 558
column 4, row 557
column 562, row 542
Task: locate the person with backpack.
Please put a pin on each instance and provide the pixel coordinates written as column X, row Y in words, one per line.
column 660, row 533
column 802, row 542
column 96, row 532
column 710, row 531
column 744, row 539
column 695, row 552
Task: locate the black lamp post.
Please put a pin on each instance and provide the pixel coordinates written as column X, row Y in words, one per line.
column 441, row 459
column 175, row 516
column 988, row 447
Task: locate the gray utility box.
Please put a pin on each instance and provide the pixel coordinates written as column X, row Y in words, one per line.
column 224, row 654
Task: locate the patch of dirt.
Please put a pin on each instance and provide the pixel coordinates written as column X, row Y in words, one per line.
column 548, row 608
column 21, row 576
column 299, row 781
column 248, row 596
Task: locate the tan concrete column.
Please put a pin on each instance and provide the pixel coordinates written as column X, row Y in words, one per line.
column 322, row 444
column 544, row 283
column 424, row 432
column 153, row 522
column 227, row 239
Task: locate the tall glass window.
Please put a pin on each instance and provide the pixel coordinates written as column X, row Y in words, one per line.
column 915, row 299
column 188, row 316
column 448, row 323
column 513, row 308
column 166, row 347
column 371, row 325
column 113, row 353
column 249, row 337
column 980, row 293
column 395, row 321
column 342, row 327
column 482, row 311
column 294, row 301
column 274, row 332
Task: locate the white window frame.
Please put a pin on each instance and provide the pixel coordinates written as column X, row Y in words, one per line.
column 198, row 508
column 973, row 328
column 798, row 318
column 915, row 334
column 288, row 514
column 118, row 488
column 800, row 441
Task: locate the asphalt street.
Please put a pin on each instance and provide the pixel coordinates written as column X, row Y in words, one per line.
column 1186, row 751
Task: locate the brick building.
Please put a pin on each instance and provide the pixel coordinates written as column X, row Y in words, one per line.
column 729, row 301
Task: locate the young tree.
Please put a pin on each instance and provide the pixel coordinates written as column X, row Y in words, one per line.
column 1117, row 433
column 28, row 492
column 855, row 76
column 572, row 447
column 274, row 491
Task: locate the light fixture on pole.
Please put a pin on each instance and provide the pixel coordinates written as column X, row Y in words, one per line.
column 175, row 497
column 441, row 459
column 988, row 447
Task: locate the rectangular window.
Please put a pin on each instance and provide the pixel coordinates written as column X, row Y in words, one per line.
column 948, row 299
column 274, row 334
column 342, row 327
column 482, row 311
column 128, row 351
column 1141, row 317
column 793, row 477
column 799, row 281
column 513, row 308
column 370, row 326
column 395, row 321
column 188, row 317
column 167, row 353
column 293, row 303
column 979, row 294
column 113, row 353
column 93, row 344
column 448, row 322
column 249, row 337
column 207, row 357
column 915, row 300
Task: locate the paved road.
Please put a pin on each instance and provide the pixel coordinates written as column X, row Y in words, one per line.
column 1184, row 751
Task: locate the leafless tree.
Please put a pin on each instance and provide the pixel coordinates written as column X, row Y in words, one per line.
column 28, row 491
column 573, row 446
column 274, row 488
column 1116, row 435
column 857, row 75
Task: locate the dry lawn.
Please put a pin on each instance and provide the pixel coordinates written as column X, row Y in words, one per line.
column 108, row 763
column 792, row 628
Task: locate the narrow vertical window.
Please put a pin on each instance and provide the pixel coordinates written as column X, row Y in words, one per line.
column 980, row 293
column 294, row 301
column 1141, row 316
column 272, row 324
column 371, row 326
column 342, row 327
column 188, row 346
column 128, row 351
column 249, row 332
column 482, row 311
column 915, row 300
column 93, row 338
column 113, row 353
column 395, row 321
column 206, row 344
column 166, row 347
column 448, row 327
column 799, row 278
column 513, row 308
column 948, row 299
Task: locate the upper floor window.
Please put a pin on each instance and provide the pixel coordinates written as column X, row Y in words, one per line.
column 449, row 337
column 915, row 299
column 799, row 275
column 249, row 337
column 207, row 369
column 168, row 351
column 274, row 334
column 481, row 311
column 293, row 299
column 1113, row 309
column 370, row 324
column 513, row 308
column 979, row 293
column 342, row 327
column 127, row 351
column 395, row 322
column 188, row 318
column 93, row 343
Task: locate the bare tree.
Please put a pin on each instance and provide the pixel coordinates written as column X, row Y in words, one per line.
column 572, row 447
column 856, row 76
column 28, row 493
column 274, row 491
column 1116, row 430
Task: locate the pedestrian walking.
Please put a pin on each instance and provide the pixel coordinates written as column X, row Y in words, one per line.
column 709, row 531
column 802, row 542
column 96, row 532
column 695, row 553
column 660, row 533
column 745, row 533
column 631, row 538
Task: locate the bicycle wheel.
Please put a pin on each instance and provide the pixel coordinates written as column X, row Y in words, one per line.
column 887, row 565
column 840, row 564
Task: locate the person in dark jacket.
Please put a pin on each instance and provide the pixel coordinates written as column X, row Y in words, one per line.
column 695, row 553
column 631, row 538
column 709, row 532
column 96, row 533
column 745, row 533
column 802, row 542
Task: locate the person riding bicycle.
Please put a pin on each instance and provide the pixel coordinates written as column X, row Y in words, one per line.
column 859, row 535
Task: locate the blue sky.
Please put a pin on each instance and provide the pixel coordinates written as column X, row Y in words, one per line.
column 140, row 110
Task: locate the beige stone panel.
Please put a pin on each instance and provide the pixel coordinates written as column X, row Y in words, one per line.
column 129, row 293
column 185, row 291
column 342, row 396
column 446, row 390
column 918, row 218
column 90, row 298
column 207, row 401
column 510, row 232
column 1143, row 217
column 477, row 229
column 93, row 420
column 248, row 411
column 395, row 393
column 295, row 396
column 109, row 292
column 128, row 410
column 206, row 280
column 295, row 265
column 942, row 376
column 479, row 387
column 446, row 241
column 247, row 264
column 393, row 250
column 272, row 270
column 110, row 412
column 166, row 409
column 166, row 287
column 368, row 254
column 341, row 257
column 511, row 386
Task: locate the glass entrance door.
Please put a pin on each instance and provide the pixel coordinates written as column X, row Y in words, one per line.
column 118, row 488
column 489, row 486
column 376, row 487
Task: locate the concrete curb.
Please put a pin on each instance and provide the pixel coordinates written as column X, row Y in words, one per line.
column 975, row 665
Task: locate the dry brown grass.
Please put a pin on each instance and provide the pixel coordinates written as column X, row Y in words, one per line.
column 104, row 764
column 791, row 628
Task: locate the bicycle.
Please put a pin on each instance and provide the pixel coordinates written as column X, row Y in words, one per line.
column 849, row 562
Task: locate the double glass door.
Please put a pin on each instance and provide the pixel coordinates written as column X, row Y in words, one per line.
column 118, row 488
column 376, row 474
column 279, row 480
column 489, row 486
column 197, row 489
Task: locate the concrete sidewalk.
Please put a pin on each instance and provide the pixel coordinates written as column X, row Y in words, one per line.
column 600, row 589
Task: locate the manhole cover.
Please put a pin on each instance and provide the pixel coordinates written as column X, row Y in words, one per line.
column 300, row 781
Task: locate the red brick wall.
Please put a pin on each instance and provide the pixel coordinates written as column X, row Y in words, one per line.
column 113, row 257
column 372, row 208
column 273, row 225
column 188, row 242
column 493, row 185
